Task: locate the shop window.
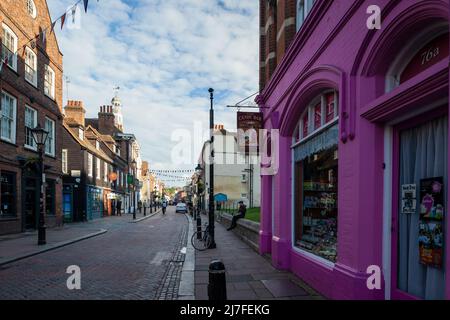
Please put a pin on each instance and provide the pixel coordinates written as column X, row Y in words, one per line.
column 316, row 179
column 7, row 194
column 50, row 197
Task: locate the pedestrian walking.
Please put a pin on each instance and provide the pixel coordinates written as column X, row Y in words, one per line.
column 164, row 206
column 239, row 215
column 119, row 207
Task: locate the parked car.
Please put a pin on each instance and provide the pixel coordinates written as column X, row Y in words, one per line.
column 181, row 207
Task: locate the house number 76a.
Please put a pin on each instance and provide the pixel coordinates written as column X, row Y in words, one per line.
column 427, row 56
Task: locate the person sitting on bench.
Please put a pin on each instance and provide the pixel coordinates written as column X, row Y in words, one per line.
column 241, row 214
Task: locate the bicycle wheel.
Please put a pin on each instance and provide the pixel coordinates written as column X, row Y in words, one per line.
column 200, row 244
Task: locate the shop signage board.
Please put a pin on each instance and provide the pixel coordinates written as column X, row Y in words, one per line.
column 75, row 173
column 431, row 226
column 248, row 126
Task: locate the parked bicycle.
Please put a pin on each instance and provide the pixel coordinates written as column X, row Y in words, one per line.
column 201, row 240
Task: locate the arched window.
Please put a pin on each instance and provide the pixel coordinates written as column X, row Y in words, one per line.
column 31, row 8
column 315, row 155
column 425, row 50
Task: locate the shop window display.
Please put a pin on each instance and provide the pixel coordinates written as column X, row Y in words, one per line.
column 7, row 194
column 317, row 216
column 316, row 177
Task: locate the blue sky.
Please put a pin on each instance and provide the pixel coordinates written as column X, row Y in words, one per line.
column 164, row 54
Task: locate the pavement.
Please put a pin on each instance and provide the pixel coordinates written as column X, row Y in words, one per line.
column 249, row 276
column 131, row 261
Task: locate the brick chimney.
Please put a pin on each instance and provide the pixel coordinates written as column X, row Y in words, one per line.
column 106, row 120
column 75, row 111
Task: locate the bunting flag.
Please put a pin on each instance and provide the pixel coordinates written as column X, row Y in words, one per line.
column 53, row 27
column 44, row 37
column 63, row 19
column 86, row 5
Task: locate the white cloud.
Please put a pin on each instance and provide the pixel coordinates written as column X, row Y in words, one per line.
column 164, row 54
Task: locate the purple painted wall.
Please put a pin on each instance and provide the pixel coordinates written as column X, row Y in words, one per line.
column 336, row 50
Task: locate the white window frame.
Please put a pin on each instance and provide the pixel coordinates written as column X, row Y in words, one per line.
column 51, row 138
column 97, row 168
column 64, row 160
column 31, row 9
column 303, row 9
column 49, row 72
column 298, row 137
column 12, row 121
column 90, row 165
column 31, row 65
column 12, row 55
column 105, row 171
column 33, row 145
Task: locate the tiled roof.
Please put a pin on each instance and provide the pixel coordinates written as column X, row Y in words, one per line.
column 87, row 145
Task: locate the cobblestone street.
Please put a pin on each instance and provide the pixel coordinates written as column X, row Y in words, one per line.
column 131, row 261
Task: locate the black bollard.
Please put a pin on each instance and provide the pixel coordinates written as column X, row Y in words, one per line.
column 217, row 286
column 199, row 226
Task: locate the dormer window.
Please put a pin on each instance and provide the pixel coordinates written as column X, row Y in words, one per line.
column 31, row 9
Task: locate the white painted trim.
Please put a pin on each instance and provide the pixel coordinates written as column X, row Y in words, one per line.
column 269, row 22
column 270, row 56
column 287, row 22
column 387, row 210
column 319, row 260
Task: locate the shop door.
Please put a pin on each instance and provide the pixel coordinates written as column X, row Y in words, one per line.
column 31, row 204
column 420, row 207
column 67, row 204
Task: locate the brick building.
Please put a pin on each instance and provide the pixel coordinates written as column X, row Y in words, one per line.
column 110, row 123
column 94, row 171
column 31, row 94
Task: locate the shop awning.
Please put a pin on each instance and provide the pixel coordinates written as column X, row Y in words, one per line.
column 322, row 141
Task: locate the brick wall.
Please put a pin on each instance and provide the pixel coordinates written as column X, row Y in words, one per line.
column 277, row 24
column 13, row 14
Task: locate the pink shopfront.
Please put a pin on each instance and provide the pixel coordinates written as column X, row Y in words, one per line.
column 363, row 151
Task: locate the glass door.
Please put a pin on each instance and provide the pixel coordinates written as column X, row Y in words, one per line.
column 420, row 209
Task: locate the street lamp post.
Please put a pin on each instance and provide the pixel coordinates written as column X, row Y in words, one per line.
column 133, row 168
column 211, row 172
column 40, row 137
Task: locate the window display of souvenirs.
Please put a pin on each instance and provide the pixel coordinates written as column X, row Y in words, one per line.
column 431, row 234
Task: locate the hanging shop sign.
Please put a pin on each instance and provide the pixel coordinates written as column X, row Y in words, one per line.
column 431, row 226
column 248, row 125
column 409, row 198
column 113, row 176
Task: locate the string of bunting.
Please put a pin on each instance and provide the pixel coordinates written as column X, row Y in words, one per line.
column 43, row 33
column 172, row 171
